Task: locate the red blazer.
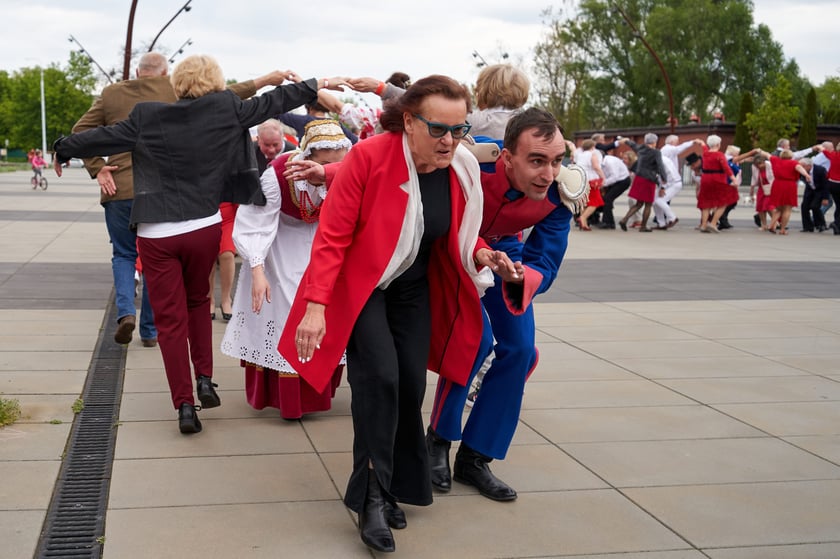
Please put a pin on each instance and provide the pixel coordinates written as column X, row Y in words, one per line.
column 360, row 225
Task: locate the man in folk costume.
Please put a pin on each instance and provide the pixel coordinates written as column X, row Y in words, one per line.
column 530, row 188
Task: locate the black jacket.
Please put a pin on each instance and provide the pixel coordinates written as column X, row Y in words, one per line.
column 190, row 155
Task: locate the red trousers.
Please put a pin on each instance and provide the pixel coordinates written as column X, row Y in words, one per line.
column 177, row 271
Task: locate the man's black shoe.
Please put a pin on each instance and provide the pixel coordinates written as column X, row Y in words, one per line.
column 205, row 388
column 188, row 421
column 438, row 449
column 471, row 468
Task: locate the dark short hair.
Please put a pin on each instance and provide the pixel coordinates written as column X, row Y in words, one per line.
column 316, row 106
column 392, row 116
column 544, row 123
column 399, row 79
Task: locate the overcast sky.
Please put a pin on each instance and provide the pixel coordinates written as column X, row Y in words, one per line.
column 348, row 37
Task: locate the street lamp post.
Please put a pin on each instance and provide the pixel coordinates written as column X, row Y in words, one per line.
column 43, row 118
column 82, row 50
column 652, row 52
column 184, row 8
column 180, row 50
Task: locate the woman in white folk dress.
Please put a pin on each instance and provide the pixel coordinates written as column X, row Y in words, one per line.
column 274, row 242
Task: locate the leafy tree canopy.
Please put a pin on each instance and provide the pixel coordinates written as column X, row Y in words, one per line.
column 594, row 70
column 68, row 93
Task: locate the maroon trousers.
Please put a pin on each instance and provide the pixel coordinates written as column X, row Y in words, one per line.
column 177, row 271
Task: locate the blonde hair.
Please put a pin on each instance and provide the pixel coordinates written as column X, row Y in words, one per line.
column 197, row 75
column 587, row 145
column 501, row 85
column 733, row 150
column 786, row 154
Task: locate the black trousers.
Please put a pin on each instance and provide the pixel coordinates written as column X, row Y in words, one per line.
column 834, row 190
column 610, row 194
column 812, row 216
column 386, row 368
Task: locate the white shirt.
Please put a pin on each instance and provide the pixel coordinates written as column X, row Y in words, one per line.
column 614, row 170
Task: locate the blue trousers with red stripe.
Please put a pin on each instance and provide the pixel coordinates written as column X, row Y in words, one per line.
column 492, row 422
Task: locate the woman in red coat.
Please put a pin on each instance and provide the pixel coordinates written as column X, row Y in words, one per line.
column 394, row 277
column 783, row 197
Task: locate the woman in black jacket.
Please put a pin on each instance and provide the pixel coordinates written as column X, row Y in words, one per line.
column 189, row 156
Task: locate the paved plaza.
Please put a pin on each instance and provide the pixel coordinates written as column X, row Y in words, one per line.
column 686, row 406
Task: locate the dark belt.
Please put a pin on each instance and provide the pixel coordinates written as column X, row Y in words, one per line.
column 712, row 171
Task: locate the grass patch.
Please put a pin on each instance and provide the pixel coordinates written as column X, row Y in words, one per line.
column 78, row 406
column 9, row 411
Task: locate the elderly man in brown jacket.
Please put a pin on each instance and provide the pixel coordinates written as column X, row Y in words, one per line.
column 117, row 187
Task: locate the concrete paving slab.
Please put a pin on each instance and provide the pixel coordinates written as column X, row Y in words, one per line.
column 797, row 551
column 254, row 530
column 757, row 389
column 591, row 368
column 37, row 382
column 824, row 446
column 635, row 424
column 737, row 366
column 697, row 462
column 33, row 441
column 599, row 394
column 19, row 531
column 751, row 514
column 27, row 486
column 547, row 524
column 221, row 437
column 44, row 361
column 788, row 418
column 216, row 480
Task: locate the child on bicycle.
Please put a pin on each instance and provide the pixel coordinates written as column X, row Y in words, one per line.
column 38, row 163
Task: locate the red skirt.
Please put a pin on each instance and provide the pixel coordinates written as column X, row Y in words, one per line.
column 288, row 393
column 595, row 198
column 784, row 193
column 642, row 190
column 714, row 194
column 762, row 201
column 228, row 212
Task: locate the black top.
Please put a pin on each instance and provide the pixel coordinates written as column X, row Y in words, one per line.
column 437, row 212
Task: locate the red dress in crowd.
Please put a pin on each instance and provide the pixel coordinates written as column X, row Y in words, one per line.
column 715, row 190
column 785, row 178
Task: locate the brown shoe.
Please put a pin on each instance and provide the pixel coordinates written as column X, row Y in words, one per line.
column 124, row 329
column 149, row 342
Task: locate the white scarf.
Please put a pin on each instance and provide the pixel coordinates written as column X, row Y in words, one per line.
column 469, row 176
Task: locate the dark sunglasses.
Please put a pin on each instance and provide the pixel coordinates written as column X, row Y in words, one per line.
column 439, row 130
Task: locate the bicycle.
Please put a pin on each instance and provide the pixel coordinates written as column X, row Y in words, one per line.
column 38, row 179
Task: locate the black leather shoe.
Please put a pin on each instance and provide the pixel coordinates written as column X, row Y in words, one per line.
column 438, row 448
column 471, row 468
column 188, row 421
column 606, row 226
column 205, row 388
column 373, row 526
column 395, row 516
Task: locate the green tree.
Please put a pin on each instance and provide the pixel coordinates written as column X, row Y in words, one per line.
column 828, row 100
column 712, row 51
column 561, row 76
column 743, row 138
column 808, row 130
column 67, row 95
column 776, row 117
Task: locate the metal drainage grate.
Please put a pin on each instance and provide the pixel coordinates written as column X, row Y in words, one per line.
column 75, row 520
